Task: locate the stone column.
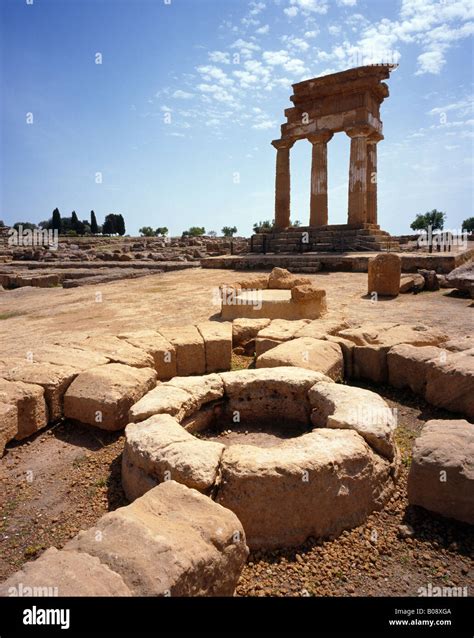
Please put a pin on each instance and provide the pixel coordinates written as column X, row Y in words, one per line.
column 282, row 183
column 372, row 142
column 358, row 174
column 319, row 178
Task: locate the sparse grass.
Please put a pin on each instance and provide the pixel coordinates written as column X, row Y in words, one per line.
column 33, row 550
column 9, row 314
column 79, row 460
column 241, row 362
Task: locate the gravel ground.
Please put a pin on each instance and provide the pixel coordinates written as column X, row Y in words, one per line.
column 65, row 478
column 397, row 550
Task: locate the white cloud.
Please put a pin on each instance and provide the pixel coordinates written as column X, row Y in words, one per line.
column 166, row 109
column 463, row 107
column 263, row 30
column 218, row 93
column 293, row 42
column 182, row 95
column 256, row 8
column 334, row 29
column 245, row 47
column 264, row 124
column 219, row 57
column 347, row 3
column 306, row 7
column 430, row 62
column 210, row 72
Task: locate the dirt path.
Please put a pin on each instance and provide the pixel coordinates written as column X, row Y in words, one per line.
column 29, row 316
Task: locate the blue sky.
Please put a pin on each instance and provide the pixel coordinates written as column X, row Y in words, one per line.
column 174, row 126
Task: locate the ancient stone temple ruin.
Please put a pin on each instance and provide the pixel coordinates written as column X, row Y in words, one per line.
column 347, row 102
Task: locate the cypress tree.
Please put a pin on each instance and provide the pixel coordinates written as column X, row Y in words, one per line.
column 94, row 226
column 56, row 221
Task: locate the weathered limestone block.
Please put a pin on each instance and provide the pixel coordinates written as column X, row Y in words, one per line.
column 103, row 396
column 159, row 449
column 308, row 292
column 345, row 407
column 245, row 330
column 277, row 332
column 408, row 366
column 189, row 345
column 321, row 328
column 411, row 282
column 373, row 341
column 384, row 275
column 173, row 541
column 118, row 351
column 283, row 279
column 315, row 485
column 459, row 344
column 217, row 345
column 441, row 477
column 209, row 387
column 65, row 573
column 8, row 424
column 267, row 394
column 164, row 399
column 30, row 404
column 54, row 379
column 347, row 349
column 462, row 278
column 163, row 353
column 64, row 355
column 258, row 282
column 430, row 279
column 306, row 352
column 450, row 383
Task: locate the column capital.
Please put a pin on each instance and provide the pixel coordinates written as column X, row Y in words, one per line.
column 283, row 144
column 361, row 130
column 375, row 137
column 320, row 137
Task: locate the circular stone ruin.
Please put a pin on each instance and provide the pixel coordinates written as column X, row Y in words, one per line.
column 317, row 458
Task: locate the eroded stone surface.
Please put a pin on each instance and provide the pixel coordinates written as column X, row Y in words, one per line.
column 161, row 449
column 54, row 379
column 8, row 424
column 103, row 395
column 164, row 399
column 30, row 404
column 65, row 573
column 163, row 353
column 189, row 345
column 270, row 393
column 314, row 485
column 450, row 383
column 441, row 477
column 173, row 541
column 346, row 407
column 244, row 330
column 306, row 352
column 384, row 275
column 217, row 345
column 408, row 366
column 118, row 351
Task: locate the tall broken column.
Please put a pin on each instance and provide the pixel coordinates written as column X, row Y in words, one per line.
column 282, row 183
column 358, row 174
column 372, row 142
column 319, row 178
